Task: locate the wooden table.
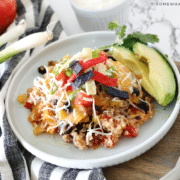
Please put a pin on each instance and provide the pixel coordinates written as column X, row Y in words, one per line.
column 154, row 163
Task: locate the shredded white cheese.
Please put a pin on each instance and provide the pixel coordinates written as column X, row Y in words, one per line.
column 95, row 131
column 127, row 76
column 87, row 99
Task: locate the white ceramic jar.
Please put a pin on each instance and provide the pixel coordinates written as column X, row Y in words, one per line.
column 97, row 18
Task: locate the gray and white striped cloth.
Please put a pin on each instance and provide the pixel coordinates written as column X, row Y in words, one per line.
column 15, row 161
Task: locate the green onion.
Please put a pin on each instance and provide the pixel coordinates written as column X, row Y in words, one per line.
column 53, row 88
column 13, row 33
column 56, row 69
column 26, row 43
column 69, row 72
column 111, row 70
column 72, row 95
column 112, row 74
column 65, row 60
column 110, row 52
column 83, row 86
column 95, row 53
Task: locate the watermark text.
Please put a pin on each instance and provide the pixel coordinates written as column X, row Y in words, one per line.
column 166, row 4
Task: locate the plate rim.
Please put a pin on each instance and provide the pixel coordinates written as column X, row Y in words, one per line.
column 100, row 162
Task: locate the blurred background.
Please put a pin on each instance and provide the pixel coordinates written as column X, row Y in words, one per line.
column 152, row 16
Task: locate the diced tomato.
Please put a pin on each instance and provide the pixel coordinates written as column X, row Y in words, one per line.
column 105, row 116
column 69, row 88
column 62, row 76
column 28, row 105
column 130, row 131
column 83, row 99
column 56, row 130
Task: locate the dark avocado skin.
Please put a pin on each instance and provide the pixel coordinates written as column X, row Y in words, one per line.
column 157, row 75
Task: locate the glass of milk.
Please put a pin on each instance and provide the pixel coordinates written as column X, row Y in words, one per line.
column 94, row 15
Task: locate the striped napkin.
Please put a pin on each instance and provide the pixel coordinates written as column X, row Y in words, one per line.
column 15, row 161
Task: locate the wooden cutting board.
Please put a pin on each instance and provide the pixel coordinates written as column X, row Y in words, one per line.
column 154, row 163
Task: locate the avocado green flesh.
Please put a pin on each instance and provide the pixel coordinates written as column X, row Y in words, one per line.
column 157, row 76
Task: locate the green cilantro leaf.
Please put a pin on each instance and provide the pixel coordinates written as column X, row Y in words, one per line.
column 115, row 26
column 122, row 31
column 144, row 37
column 131, row 39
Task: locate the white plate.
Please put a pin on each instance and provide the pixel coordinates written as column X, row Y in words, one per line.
column 52, row 148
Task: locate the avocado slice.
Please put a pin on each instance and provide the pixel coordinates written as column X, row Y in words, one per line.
column 161, row 76
column 157, row 76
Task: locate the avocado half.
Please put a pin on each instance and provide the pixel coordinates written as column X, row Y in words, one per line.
column 157, row 76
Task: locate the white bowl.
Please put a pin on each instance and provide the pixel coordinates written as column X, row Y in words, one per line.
column 51, row 148
column 98, row 19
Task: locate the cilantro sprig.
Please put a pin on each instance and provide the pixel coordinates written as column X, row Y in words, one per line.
column 130, row 39
column 114, row 26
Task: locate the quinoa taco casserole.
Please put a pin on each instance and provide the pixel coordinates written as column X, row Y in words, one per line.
column 89, row 101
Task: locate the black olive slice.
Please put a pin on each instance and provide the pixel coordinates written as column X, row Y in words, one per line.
column 111, row 57
column 98, row 109
column 42, row 70
column 69, row 108
column 68, row 130
column 106, row 50
column 136, row 91
column 79, row 127
column 138, row 117
column 143, row 105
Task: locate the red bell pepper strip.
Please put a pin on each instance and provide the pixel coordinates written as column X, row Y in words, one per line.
column 83, row 99
column 62, row 76
column 101, row 78
column 72, row 78
column 103, row 54
column 92, row 62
